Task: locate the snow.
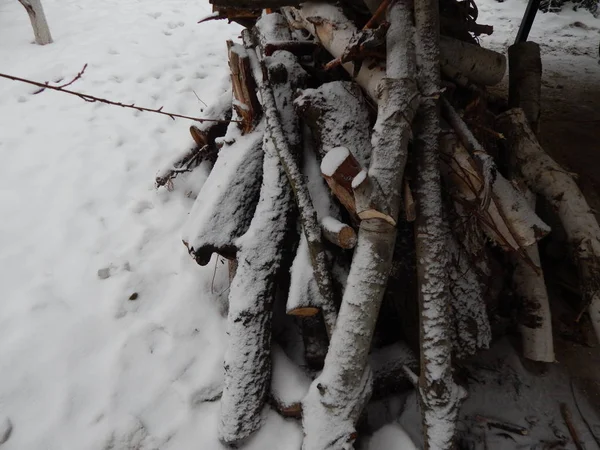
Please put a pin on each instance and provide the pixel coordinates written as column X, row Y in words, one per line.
column 359, row 179
column 333, row 159
column 81, row 365
column 391, row 437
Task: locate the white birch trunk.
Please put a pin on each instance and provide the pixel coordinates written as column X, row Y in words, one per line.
column 440, row 396
column 38, row 21
column 546, row 177
column 338, row 395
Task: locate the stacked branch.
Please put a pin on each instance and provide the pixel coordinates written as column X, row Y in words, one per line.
column 363, row 145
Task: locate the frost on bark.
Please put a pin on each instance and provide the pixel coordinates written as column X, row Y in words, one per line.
column 38, row 21
column 308, row 215
column 336, row 398
column 225, row 205
column 547, row 178
column 440, row 396
column 247, row 359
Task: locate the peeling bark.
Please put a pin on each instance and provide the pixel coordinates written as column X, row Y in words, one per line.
column 546, row 177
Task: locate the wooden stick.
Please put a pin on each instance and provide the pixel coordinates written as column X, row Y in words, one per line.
column 566, row 413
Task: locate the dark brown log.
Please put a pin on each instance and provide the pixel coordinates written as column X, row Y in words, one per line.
column 244, row 87
column 253, row 4
column 525, row 80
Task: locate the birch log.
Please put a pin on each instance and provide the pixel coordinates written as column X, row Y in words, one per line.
column 440, row 396
column 546, row 177
column 36, row 14
column 247, row 359
column 285, row 152
column 336, row 398
column 334, row 31
column 525, row 86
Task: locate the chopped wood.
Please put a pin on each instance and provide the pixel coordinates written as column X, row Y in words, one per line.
column 339, row 167
column 247, row 359
column 304, row 299
column 546, row 177
column 337, row 396
column 285, row 152
column 246, row 102
column 289, row 384
column 225, row 205
column 338, row 233
column 501, row 425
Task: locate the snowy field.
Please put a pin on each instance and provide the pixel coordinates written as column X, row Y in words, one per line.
column 81, row 365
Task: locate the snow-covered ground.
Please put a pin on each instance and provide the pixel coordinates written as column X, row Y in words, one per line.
column 81, row 365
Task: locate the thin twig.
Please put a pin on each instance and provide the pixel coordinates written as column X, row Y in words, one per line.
column 566, row 413
column 92, row 99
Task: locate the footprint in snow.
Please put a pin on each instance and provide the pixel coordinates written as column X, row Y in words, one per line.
column 155, row 15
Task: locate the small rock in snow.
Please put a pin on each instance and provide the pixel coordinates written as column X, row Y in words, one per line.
column 133, row 296
column 103, row 274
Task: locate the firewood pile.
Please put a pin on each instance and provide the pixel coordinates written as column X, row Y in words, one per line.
column 370, row 188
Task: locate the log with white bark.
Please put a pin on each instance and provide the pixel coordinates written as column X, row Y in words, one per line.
column 505, row 213
column 275, row 121
column 440, row 397
column 525, row 86
column 508, row 219
column 337, row 397
column 225, row 205
column 36, row 14
column 547, row 178
column 471, row 325
column 247, row 358
column 335, row 31
column 337, row 115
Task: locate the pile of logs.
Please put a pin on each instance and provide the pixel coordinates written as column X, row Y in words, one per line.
column 375, row 203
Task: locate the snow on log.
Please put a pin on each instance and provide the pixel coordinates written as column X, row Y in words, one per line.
column 336, row 398
column 546, row 177
column 36, row 14
column 247, row 359
column 337, row 115
column 338, row 233
column 278, row 134
column 339, row 167
column 289, row 384
column 225, row 205
column 440, row 397
column 471, row 326
column 304, row 298
column 335, row 31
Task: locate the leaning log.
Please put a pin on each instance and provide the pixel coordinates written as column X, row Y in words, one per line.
column 278, row 135
column 335, row 31
column 247, row 359
column 546, row 177
column 336, row 398
column 440, row 397
column 225, row 205
column 525, row 86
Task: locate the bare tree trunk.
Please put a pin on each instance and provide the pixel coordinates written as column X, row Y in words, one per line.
column 548, row 178
column 440, row 396
column 38, row 21
column 336, row 398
